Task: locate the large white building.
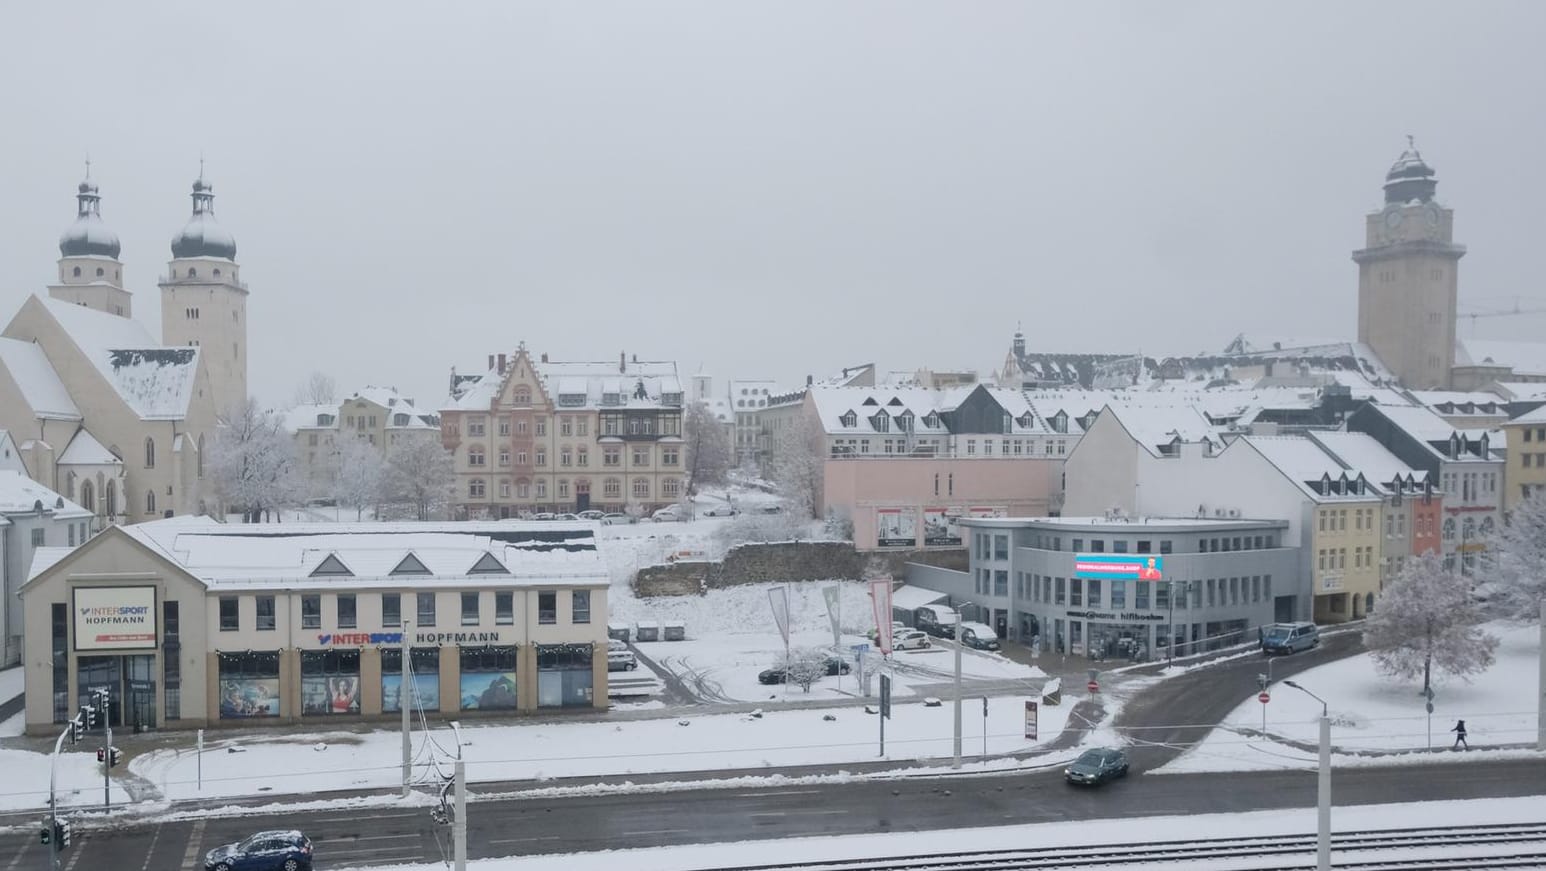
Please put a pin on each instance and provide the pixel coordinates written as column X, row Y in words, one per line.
column 104, row 412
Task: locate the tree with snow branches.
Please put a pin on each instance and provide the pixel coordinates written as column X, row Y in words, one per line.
column 710, row 455
column 421, row 475
column 1516, row 564
column 798, row 465
column 252, row 464
column 360, row 472
column 1426, row 618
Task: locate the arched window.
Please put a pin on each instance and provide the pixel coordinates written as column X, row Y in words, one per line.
column 217, row 272
column 111, row 500
column 150, row 452
column 77, row 272
column 101, row 272
column 88, row 497
column 150, row 502
column 201, row 455
column 192, row 273
column 69, row 485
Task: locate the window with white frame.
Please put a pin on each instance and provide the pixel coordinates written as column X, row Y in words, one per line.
column 475, row 488
column 641, row 488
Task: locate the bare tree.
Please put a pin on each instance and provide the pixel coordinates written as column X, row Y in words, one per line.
column 252, row 463
column 710, row 454
column 806, row 666
column 1426, row 617
column 1516, row 568
column 318, row 389
column 799, row 464
column 420, row 473
column 360, row 477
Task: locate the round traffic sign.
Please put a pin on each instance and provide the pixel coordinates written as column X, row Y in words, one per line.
column 1263, row 697
column 1092, row 686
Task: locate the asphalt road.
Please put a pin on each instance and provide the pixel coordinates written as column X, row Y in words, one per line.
column 535, row 826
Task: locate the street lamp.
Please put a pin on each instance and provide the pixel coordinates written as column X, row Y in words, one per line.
column 1170, row 643
column 1323, row 785
column 956, row 761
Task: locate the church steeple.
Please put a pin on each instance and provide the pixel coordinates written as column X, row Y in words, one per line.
column 88, row 236
column 1410, row 178
column 202, row 236
column 89, row 271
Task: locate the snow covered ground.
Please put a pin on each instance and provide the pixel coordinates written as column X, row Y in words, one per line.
column 538, row 751
column 1370, row 712
column 1152, row 829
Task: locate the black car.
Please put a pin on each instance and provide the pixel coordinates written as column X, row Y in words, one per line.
column 264, row 851
column 776, row 674
column 1094, row 767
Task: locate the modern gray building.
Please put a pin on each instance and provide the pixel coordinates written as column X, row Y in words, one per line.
column 1110, row 587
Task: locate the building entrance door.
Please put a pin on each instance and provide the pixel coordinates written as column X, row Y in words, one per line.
column 582, row 495
column 140, row 692
column 101, row 672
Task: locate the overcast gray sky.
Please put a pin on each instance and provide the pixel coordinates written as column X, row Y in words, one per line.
column 769, row 189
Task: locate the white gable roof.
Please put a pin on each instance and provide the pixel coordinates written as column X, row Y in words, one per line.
column 35, row 376
column 85, row 450
column 156, row 382
column 20, row 494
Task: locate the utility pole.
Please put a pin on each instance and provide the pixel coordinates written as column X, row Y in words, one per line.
column 956, row 762
column 1322, row 785
column 459, row 822
column 105, row 702
column 1540, row 697
column 405, row 703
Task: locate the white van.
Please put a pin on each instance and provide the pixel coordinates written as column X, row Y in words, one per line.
column 1289, row 637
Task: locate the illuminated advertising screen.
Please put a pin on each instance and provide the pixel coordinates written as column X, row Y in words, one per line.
column 115, row 618
column 1120, row 566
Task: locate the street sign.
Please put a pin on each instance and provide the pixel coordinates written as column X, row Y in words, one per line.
column 1092, row 686
column 885, row 696
column 1263, row 697
column 1030, row 720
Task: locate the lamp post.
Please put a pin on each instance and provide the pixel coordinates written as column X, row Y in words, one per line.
column 1323, row 785
column 956, row 760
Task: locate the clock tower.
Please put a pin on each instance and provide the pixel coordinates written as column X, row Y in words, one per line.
column 1407, row 277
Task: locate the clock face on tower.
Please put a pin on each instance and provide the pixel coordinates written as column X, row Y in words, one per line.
column 1392, row 222
column 1431, row 221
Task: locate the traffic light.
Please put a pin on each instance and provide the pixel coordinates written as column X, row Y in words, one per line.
column 75, row 731
column 91, row 717
column 101, row 754
column 62, row 833
column 48, row 832
column 113, row 756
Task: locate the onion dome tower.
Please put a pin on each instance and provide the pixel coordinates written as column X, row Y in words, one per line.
column 90, row 273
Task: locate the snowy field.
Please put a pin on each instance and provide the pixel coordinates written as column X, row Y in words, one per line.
column 1370, row 712
column 1153, row 829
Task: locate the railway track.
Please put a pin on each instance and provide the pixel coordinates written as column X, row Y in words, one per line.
column 1458, row 848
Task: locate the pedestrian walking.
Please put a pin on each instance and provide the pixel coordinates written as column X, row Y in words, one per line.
column 1459, row 731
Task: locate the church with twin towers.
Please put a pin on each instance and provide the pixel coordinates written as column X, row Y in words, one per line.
column 100, row 408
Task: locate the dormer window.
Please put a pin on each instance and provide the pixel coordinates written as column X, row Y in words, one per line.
column 849, row 420
column 611, row 399
column 931, row 420
column 571, row 400
column 869, row 400
column 1025, row 420
column 904, row 422
column 881, row 422
column 1059, row 422
column 670, row 399
column 1008, row 423
column 399, row 420
column 894, row 403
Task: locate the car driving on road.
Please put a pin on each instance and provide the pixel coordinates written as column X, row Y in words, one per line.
column 264, row 851
column 1094, row 767
column 1289, row 638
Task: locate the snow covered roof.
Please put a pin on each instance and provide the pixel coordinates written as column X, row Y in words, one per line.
column 909, row 597
column 374, row 554
column 1362, row 453
column 833, row 405
column 156, row 382
column 640, row 384
column 20, row 494
column 1152, row 426
column 85, row 450
column 1532, row 417
column 305, row 416
column 35, row 377
column 1525, row 358
column 1305, row 463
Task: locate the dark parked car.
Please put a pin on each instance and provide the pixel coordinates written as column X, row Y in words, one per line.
column 835, row 665
column 1094, row 767
column 265, row 851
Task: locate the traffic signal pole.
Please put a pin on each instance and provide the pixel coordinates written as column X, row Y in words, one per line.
column 53, row 808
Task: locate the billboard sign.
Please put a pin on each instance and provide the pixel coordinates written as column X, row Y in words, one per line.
column 1120, row 566
column 115, row 618
column 896, row 527
column 940, row 527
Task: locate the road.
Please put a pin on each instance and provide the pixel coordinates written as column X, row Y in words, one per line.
column 535, row 826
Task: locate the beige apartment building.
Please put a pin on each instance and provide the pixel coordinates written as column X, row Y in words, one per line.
column 1524, row 473
column 378, row 416
column 539, row 435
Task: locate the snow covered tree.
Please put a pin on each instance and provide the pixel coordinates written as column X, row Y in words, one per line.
column 420, row 474
column 1516, row 565
column 317, row 389
column 1426, row 618
column 710, row 454
column 798, row 464
column 252, row 466
column 806, row 666
column 360, row 475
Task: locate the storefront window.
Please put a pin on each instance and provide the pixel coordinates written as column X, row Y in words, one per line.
column 171, row 660
column 249, row 685
column 488, row 679
column 425, row 681
column 330, row 682
column 61, row 659
column 564, row 675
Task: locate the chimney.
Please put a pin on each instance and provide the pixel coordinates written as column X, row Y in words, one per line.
column 502, row 360
column 636, row 358
column 544, row 356
column 622, row 362
column 491, row 361
column 808, row 380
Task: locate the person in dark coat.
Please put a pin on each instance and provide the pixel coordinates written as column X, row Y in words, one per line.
column 1459, row 731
